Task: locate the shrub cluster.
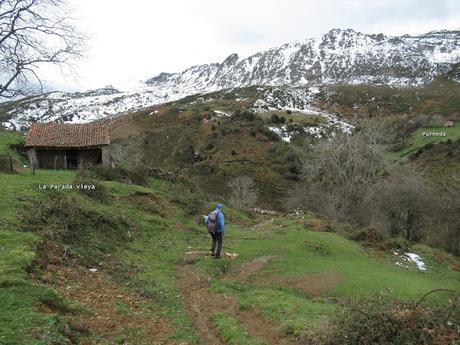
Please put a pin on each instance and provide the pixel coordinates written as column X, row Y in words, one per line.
column 275, row 119
column 294, row 163
column 190, row 200
column 99, row 193
column 269, row 134
column 377, row 321
column 6, row 163
column 120, row 173
column 348, row 179
column 243, row 195
column 89, row 234
column 244, row 114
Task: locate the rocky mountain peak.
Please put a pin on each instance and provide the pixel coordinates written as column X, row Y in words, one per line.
column 345, row 57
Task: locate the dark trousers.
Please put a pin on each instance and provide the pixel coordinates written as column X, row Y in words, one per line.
column 216, row 239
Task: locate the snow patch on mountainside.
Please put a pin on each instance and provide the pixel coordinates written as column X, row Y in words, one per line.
column 298, row 100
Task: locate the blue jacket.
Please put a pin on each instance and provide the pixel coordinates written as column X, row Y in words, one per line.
column 220, row 222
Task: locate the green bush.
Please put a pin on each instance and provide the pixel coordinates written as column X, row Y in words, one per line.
column 210, row 146
column 377, row 321
column 293, row 158
column 275, row 119
column 272, row 136
column 377, row 238
column 244, row 114
column 6, row 163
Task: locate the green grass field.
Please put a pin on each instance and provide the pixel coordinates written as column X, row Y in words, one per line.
column 308, row 273
column 420, row 138
column 303, row 257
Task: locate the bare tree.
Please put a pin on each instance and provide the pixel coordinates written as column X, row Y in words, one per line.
column 33, row 33
column 342, row 167
column 243, row 195
column 403, row 204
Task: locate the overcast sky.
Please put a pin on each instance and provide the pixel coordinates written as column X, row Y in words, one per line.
column 136, row 39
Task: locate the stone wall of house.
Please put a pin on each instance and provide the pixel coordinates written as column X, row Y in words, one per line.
column 106, row 156
column 89, row 157
column 32, row 155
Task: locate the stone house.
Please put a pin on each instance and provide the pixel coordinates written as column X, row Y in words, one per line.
column 448, row 123
column 54, row 145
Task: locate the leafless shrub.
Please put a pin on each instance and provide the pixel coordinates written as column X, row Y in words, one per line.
column 310, row 197
column 129, row 151
column 243, row 196
column 347, row 179
column 447, row 233
column 342, row 167
column 402, row 204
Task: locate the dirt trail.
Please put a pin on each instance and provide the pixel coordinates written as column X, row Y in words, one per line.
column 112, row 312
column 201, row 303
column 251, row 267
column 314, row 284
column 262, row 224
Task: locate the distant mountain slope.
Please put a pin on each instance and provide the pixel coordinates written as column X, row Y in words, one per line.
column 339, row 57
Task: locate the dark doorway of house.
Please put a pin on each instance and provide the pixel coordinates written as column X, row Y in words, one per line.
column 99, row 156
column 72, row 159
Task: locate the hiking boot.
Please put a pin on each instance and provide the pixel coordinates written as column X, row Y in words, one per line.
column 211, row 253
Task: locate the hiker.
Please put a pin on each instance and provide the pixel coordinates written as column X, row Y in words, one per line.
column 215, row 222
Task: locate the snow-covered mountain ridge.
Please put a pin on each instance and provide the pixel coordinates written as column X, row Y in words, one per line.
column 338, row 57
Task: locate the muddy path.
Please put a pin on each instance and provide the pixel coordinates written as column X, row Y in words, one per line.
column 201, row 303
column 109, row 312
column 114, row 312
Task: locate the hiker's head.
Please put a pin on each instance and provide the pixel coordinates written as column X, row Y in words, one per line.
column 219, row 207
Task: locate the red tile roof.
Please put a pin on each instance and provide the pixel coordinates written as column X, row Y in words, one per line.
column 52, row 134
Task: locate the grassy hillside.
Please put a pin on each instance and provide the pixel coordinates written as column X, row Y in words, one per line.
column 422, row 138
column 126, row 263
column 192, row 137
column 441, row 97
column 131, row 268
column 8, row 139
column 439, row 162
column 210, row 148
